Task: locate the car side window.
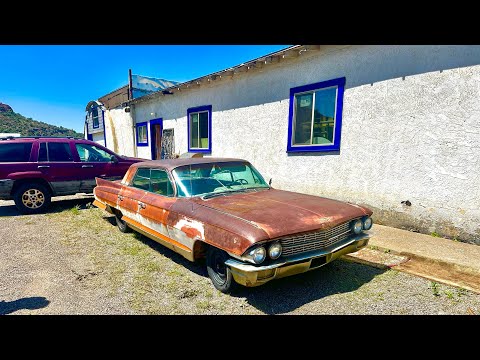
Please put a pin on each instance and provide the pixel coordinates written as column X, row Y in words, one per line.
column 142, row 179
column 42, row 152
column 153, row 180
column 160, row 183
column 92, row 153
column 59, row 151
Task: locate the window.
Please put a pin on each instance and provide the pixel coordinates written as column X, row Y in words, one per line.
column 315, row 116
column 59, row 151
column 142, row 134
column 92, row 153
column 153, row 180
column 200, row 129
column 15, row 152
column 96, row 123
column 42, row 152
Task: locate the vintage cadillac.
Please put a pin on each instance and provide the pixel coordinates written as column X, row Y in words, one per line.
column 223, row 210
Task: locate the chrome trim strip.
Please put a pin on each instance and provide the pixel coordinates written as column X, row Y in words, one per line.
column 295, row 258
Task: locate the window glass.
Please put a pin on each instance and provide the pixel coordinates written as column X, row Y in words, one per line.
column 58, row 151
column 42, row 152
column 194, row 130
column 324, row 116
column 95, row 117
column 203, row 130
column 303, row 118
column 142, row 134
column 92, row 153
column 160, row 183
column 142, row 179
column 15, row 152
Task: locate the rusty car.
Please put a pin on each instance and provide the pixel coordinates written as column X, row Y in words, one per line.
column 222, row 210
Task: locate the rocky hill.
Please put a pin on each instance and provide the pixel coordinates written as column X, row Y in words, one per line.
column 12, row 122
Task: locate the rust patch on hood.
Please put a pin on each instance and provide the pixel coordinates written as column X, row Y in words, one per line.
column 280, row 213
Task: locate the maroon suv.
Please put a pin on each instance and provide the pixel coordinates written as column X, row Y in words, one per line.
column 34, row 169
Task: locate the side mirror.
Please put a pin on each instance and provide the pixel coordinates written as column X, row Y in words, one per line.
column 114, row 159
column 270, row 182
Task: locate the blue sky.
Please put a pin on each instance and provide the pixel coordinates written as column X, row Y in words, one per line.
column 54, row 83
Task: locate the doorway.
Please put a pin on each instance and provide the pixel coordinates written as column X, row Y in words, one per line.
column 156, row 126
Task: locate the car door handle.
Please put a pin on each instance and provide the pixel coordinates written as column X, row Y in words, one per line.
column 87, row 166
column 43, row 166
column 120, row 197
column 141, row 205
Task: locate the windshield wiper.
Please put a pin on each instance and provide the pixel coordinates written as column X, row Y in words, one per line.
column 218, row 193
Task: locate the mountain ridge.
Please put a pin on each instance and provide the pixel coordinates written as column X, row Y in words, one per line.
column 12, row 122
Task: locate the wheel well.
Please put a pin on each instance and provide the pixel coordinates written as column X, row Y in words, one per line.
column 200, row 250
column 30, row 181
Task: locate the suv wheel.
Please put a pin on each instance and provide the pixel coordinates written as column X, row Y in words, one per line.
column 32, row 198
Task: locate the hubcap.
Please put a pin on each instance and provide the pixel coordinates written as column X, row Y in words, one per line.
column 220, row 269
column 33, row 198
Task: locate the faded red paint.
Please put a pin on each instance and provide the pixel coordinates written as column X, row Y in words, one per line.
column 234, row 222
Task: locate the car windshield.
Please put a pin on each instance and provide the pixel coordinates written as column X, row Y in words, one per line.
column 220, row 178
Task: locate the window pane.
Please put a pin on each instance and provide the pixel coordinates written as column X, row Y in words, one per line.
column 303, row 119
column 15, row 152
column 142, row 134
column 324, row 116
column 194, row 130
column 42, row 152
column 95, row 117
column 59, row 152
column 142, row 179
column 92, row 153
column 160, row 184
column 203, row 119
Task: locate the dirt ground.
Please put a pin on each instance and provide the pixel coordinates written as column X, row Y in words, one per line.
column 73, row 260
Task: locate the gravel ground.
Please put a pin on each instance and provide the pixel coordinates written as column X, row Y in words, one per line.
column 73, row 260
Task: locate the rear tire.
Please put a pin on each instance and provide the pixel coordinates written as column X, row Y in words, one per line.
column 32, row 198
column 121, row 224
column 219, row 273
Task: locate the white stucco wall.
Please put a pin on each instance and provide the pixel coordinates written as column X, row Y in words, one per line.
column 119, row 131
column 410, row 131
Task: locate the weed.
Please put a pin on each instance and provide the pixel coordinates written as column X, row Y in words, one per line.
column 373, row 247
column 386, row 251
column 75, row 210
column 209, row 294
column 434, row 234
column 449, row 294
column 435, row 288
column 89, row 205
column 461, row 292
column 202, row 305
column 152, row 267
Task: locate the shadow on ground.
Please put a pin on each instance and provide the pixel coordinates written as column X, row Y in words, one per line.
column 30, row 303
column 287, row 294
column 56, row 206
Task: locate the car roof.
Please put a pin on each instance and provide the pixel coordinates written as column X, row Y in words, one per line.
column 171, row 164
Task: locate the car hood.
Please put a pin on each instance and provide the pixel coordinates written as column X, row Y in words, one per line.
column 279, row 213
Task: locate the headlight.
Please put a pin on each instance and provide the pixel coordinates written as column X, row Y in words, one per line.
column 367, row 223
column 258, row 254
column 275, row 250
column 357, row 226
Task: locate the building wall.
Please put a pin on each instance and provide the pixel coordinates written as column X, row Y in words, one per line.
column 410, row 131
column 119, row 131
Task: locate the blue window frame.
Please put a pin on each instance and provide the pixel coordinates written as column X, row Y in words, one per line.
column 142, row 133
column 199, row 124
column 315, row 116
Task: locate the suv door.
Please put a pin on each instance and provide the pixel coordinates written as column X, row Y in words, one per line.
column 56, row 162
column 97, row 162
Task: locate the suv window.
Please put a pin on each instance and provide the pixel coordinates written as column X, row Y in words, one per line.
column 92, row 153
column 15, row 152
column 55, row 151
column 153, row 180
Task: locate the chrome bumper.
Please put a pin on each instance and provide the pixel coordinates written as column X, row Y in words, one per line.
column 251, row 275
column 5, row 189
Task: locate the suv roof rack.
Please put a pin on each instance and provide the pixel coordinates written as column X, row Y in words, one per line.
column 38, row 137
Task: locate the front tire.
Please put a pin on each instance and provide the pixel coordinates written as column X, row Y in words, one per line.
column 121, row 224
column 219, row 273
column 32, row 198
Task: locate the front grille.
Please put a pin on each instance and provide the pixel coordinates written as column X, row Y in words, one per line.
column 317, row 240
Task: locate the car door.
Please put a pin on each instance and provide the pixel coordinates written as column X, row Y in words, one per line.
column 94, row 162
column 56, row 161
column 129, row 198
